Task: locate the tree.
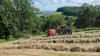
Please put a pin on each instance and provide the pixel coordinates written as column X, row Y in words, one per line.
column 87, row 16
column 97, row 23
column 70, row 20
column 7, row 26
column 25, row 14
column 52, row 21
column 16, row 16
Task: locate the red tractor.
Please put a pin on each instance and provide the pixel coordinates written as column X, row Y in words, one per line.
column 64, row 31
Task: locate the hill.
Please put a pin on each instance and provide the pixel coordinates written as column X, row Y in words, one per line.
column 51, row 13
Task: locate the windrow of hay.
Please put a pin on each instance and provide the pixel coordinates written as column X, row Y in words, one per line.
column 55, row 47
column 80, row 35
column 97, row 40
column 84, row 40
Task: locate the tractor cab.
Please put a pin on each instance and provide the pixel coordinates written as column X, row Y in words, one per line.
column 63, row 27
column 64, row 30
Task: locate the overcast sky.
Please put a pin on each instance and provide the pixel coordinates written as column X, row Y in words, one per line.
column 46, row 5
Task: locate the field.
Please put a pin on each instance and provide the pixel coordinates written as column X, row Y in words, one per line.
column 78, row 44
column 48, row 14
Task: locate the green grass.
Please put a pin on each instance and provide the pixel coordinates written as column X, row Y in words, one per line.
column 9, row 39
column 2, row 40
column 55, row 13
column 85, row 29
column 48, row 14
column 93, row 28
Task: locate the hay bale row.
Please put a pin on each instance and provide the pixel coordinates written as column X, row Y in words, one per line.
column 78, row 49
column 67, row 36
column 55, row 48
column 97, row 40
column 55, row 37
column 72, row 41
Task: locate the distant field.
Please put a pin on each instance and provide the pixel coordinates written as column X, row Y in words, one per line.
column 52, row 13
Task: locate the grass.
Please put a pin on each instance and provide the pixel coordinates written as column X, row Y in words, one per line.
column 48, row 14
column 93, row 28
column 86, row 29
column 55, row 13
column 2, row 40
column 9, row 39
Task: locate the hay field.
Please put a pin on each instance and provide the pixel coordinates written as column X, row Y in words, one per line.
column 77, row 44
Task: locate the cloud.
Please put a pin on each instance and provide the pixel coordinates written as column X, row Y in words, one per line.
column 50, row 4
column 38, row 4
column 54, row 4
column 82, row 1
column 55, row 1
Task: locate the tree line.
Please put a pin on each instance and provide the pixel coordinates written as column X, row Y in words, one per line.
column 69, row 11
column 87, row 15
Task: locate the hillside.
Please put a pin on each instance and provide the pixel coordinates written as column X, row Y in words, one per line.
column 52, row 13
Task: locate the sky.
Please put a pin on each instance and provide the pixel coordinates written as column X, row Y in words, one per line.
column 52, row 5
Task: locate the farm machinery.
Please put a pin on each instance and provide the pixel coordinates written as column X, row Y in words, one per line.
column 64, row 31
